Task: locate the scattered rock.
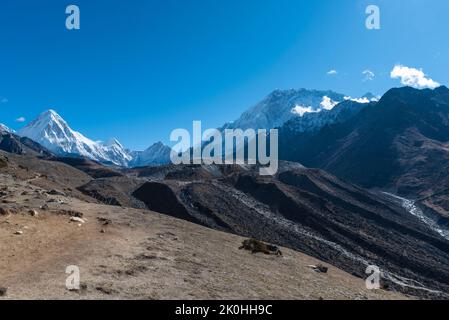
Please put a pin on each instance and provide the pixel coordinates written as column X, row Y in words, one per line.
column 54, row 192
column 102, row 231
column 104, row 221
column 76, row 219
column 3, row 291
column 33, row 213
column 256, row 246
column 72, row 213
column 319, row 268
column 45, row 207
column 59, row 201
column 18, row 233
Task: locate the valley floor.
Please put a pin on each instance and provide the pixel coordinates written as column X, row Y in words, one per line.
column 127, row 253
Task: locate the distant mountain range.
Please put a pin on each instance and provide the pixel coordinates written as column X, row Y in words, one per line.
column 304, row 109
column 383, row 144
column 52, row 132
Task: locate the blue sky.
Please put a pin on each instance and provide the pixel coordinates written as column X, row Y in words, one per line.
column 139, row 69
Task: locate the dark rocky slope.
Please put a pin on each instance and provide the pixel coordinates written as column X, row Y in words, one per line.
column 310, row 211
column 399, row 144
column 12, row 143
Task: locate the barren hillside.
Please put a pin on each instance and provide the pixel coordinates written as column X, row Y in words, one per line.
column 139, row 254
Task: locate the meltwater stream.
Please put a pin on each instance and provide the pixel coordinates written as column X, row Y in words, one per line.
column 414, row 210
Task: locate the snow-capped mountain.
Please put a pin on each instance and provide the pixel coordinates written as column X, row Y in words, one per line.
column 314, row 121
column 157, row 154
column 116, row 152
column 283, row 105
column 52, row 131
column 4, row 128
column 301, row 110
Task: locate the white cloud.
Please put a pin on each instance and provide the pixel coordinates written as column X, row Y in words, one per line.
column 21, row 119
column 369, row 75
column 332, row 72
column 301, row 110
column 413, row 77
column 362, row 100
column 328, row 103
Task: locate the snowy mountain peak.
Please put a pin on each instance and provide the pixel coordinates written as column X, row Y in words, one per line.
column 52, row 113
column 52, row 131
column 51, row 116
column 281, row 106
column 313, row 121
column 157, row 154
column 4, row 128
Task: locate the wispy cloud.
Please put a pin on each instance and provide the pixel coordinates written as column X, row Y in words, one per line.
column 20, row 119
column 3, row 100
column 332, row 72
column 301, row 110
column 413, row 77
column 368, row 75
